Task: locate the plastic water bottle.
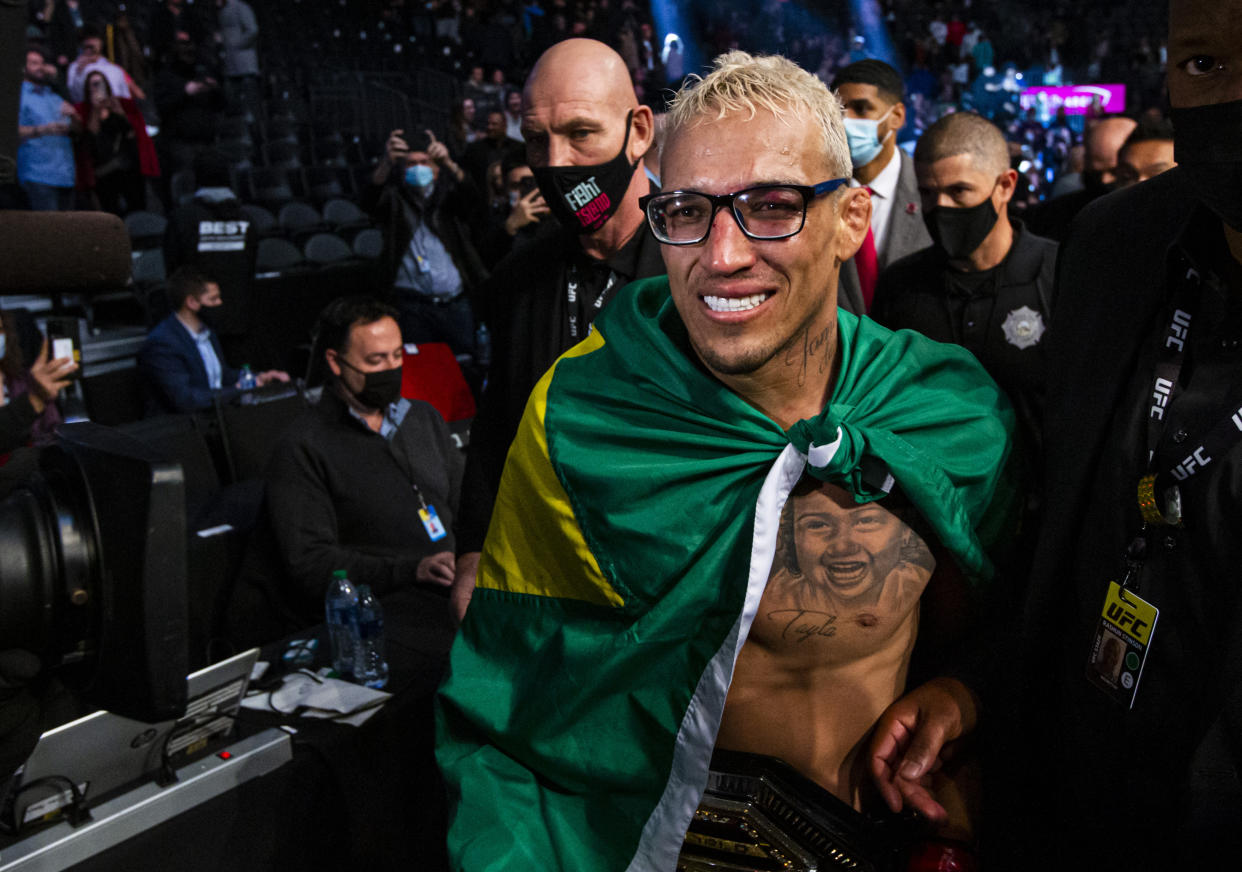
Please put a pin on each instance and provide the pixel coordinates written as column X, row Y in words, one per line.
column 370, row 667
column 247, row 381
column 483, row 346
column 341, row 615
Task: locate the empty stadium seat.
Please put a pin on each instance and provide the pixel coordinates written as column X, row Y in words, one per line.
column 299, row 221
column 149, row 267
column 182, row 186
column 274, row 186
column 277, row 255
column 326, row 248
column 263, row 221
column 369, row 243
column 325, row 183
column 146, row 230
column 344, row 216
column 282, row 153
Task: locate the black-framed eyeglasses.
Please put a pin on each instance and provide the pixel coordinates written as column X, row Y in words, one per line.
column 762, row 212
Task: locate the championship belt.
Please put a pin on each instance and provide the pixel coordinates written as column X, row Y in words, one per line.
column 758, row 813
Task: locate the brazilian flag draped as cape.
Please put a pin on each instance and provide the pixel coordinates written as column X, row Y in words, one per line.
column 631, row 541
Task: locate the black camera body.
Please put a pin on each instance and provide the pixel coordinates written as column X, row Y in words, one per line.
column 93, row 572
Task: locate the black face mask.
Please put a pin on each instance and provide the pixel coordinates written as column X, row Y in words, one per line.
column 959, row 231
column 379, row 388
column 1206, row 145
column 209, row 315
column 584, row 198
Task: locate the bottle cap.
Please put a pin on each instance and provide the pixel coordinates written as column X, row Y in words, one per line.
column 339, row 573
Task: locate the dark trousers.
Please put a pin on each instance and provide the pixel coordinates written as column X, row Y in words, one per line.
column 425, row 321
column 48, row 198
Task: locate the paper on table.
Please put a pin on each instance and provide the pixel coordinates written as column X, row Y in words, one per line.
column 320, row 698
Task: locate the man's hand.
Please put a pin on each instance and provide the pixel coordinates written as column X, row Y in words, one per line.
column 437, row 568
column 48, row 377
column 270, row 376
column 463, row 585
column 914, row 737
column 529, row 210
column 438, row 152
column 396, row 148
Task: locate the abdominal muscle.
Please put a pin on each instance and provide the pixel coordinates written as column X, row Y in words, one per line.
column 809, row 685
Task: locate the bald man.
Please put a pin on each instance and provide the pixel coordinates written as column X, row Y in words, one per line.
column 586, row 136
column 1102, row 141
column 986, row 282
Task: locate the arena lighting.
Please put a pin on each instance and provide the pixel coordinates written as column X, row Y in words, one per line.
column 669, row 17
column 869, row 24
column 673, row 17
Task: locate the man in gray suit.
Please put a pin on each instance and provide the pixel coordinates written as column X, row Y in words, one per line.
column 872, row 93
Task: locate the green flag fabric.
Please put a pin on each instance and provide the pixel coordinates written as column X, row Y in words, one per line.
column 632, row 538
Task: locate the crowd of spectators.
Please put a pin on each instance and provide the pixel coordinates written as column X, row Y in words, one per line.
column 180, row 69
column 212, row 116
column 464, row 201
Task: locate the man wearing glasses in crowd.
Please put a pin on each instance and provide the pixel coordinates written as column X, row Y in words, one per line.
column 678, row 561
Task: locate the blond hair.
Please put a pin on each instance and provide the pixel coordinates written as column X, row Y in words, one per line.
column 743, row 83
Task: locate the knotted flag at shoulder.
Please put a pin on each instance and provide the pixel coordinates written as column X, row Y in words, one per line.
column 633, row 535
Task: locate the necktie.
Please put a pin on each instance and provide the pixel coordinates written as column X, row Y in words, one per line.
column 868, row 267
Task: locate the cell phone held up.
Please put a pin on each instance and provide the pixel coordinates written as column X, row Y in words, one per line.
column 64, row 339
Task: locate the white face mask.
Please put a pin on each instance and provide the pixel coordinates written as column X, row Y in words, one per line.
column 863, row 135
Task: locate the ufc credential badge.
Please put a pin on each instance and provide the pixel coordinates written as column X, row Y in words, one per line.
column 1120, row 645
column 432, row 523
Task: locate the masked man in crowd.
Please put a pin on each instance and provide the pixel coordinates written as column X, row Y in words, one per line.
column 873, row 95
column 585, row 139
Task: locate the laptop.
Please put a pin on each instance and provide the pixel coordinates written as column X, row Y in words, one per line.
column 102, row 753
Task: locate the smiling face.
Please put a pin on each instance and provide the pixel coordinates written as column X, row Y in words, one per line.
column 843, row 547
column 745, row 302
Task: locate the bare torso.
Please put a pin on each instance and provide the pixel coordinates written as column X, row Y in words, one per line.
column 831, row 643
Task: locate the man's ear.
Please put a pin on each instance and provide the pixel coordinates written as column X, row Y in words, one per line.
column 854, row 218
column 333, row 364
column 898, row 117
column 1006, row 184
column 642, row 133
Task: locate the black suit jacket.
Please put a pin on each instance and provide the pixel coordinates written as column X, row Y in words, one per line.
column 173, row 374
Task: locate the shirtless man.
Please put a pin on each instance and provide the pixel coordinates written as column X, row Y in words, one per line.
column 840, row 611
column 640, row 601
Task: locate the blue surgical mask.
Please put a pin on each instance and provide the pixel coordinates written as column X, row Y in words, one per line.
column 419, row 176
column 863, row 135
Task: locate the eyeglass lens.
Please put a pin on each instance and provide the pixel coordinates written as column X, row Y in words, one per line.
column 765, row 213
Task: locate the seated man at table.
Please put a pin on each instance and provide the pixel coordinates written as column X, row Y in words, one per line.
column 182, row 364
column 366, row 481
